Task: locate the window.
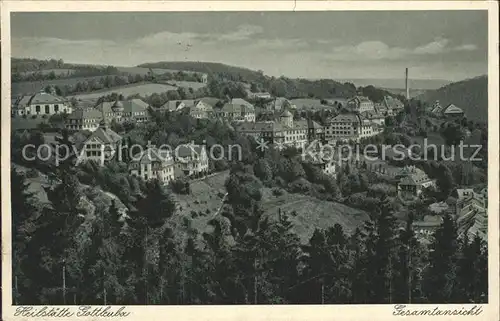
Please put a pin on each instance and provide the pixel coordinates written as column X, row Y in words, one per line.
column 56, row 108
column 47, row 109
column 37, row 108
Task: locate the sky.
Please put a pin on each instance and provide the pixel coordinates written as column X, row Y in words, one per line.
column 450, row 45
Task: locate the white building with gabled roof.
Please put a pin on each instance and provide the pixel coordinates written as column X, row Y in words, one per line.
column 153, row 163
column 41, row 103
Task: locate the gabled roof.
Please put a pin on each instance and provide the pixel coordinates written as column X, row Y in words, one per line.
column 86, row 113
column 311, row 124
column 237, row 108
column 392, row 103
column 39, row 98
column 452, row 109
column 211, row 101
column 173, row 105
column 129, row 106
column 153, row 154
column 415, row 178
column 360, row 99
column 242, row 102
column 105, row 135
column 259, row 126
column 347, row 118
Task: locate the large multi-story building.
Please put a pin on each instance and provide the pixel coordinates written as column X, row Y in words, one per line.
column 191, row 159
column 134, row 110
column 84, row 119
column 286, row 132
column 102, row 145
column 389, row 106
column 471, row 213
column 41, row 104
column 360, row 104
column 153, row 163
column 237, row 109
column 350, row 127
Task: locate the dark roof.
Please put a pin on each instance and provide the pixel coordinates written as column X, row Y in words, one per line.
column 39, row 98
column 87, row 113
column 105, row 135
column 258, row 126
column 347, row 118
column 129, row 106
column 153, row 155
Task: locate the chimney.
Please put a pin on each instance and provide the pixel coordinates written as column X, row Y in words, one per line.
column 406, row 85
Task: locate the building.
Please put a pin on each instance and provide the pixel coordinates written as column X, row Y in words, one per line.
column 360, row 104
column 437, row 109
column 413, row 182
column 471, row 210
column 237, row 109
column 176, row 105
column 203, row 108
column 84, row 119
column 280, row 104
column 315, row 131
column 427, row 227
column 153, row 163
column 102, row 145
column 204, row 78
column 134, row 110
column 439, row 207
column 389, row 106
column 285, row 132
column 350, row 126
column 191, row 159
column 453, row 111
column 374, row 117
column 41, row 103
column 260, row 95
column 468, row 200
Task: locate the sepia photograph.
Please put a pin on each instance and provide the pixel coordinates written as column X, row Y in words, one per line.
column 182, row 158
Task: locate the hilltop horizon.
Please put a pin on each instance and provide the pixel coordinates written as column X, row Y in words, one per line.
column 380, row 82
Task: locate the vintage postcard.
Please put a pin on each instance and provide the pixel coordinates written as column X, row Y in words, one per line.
column 249, row 160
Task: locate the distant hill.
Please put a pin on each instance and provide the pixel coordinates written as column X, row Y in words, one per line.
column 471, row 95
column 208, row 68
column 415, row 84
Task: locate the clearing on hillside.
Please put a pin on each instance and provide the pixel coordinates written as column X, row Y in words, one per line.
column 142, row 89
column 311, row 213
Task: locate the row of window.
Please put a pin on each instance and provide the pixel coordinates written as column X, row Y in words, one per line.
column 93, row 146
column 294, row 138
column 93, row 153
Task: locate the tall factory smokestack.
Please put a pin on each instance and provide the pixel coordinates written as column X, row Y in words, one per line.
column 406, row 85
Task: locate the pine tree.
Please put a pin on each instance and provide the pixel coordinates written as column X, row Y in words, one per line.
column 380, row 254
column 440, row 278
column 472, row 272
column 406, row 266
column 24, row 209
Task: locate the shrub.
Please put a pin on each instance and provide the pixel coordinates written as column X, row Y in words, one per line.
column 33, row 117
column 300, row 185
column 181, row 186
column 32, row 173
column 278, row 191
